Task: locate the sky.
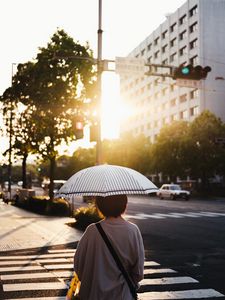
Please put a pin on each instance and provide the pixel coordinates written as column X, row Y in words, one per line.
column 26, row 25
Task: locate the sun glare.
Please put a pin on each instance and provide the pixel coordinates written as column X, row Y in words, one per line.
column 110, row 106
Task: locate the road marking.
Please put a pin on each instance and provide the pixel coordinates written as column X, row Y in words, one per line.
column 30, row 262
column 17, row 262
column 34, row 286
column 63, row 271
column 62, row 251
column 151, row 263
column 42, row 298
column 168, row 280
column 153, row 216
column 63, row 274
column 57, row 260
column 209, row 214
column 21, row 268
column 155, row 271
column 28, row 276
column 142, row 216
column 189, row 294
column 59, row 267
column 57, row 255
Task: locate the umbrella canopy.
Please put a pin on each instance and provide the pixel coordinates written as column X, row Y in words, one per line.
column 106, row 180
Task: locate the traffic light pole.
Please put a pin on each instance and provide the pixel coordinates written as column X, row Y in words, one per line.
column 99, row 86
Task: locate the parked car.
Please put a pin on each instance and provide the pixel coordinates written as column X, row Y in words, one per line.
column 57, row 185
column 172, row 191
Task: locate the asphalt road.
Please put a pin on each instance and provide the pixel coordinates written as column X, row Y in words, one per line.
column 188, row 236
column 184, row 243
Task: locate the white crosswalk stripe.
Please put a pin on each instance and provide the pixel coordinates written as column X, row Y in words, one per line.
column 47, row 275
column 176, row 215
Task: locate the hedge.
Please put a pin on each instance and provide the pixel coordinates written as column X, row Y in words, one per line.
column 85, row 216
column 42, row 205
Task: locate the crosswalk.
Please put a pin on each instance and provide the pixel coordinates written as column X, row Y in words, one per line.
column 45, row 276
column 175, row 215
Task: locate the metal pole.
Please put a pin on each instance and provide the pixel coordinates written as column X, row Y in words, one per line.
column 99, row 74
column 10, row 143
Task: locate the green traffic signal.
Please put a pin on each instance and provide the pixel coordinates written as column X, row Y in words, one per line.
column 190, row 72
column 185, row 70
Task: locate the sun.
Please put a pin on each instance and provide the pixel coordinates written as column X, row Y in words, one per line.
column 110, row 106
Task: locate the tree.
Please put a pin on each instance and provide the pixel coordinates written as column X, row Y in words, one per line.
column 170, row 150
column 206, row 156
column 24, row 143
column 129, row 151
column 56, row 84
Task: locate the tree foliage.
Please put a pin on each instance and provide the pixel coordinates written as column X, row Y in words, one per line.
column 56, row 85
column 207, row 157
column 170, row 149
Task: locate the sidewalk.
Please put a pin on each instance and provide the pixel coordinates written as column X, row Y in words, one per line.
column 20, row 229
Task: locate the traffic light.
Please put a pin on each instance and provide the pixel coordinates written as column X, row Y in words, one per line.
column 190, row 72
column 79, row 130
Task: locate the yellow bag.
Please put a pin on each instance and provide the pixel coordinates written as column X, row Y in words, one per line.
column 73, row 291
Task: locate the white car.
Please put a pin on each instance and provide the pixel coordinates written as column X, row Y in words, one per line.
column 172, row 191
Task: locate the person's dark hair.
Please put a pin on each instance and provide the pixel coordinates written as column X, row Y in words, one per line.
column 112, row 206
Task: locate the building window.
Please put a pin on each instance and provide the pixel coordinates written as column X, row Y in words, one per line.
column 193, row 11
column 149, row 47
column 193, row 44
column 183, row 35
column 143, row 52
column 164, row 91
column 194, row 60
column 173, row 102
column 183, row 114
column 183, row 19
column 156, row 55
column 156, row 82
column 173, row 27
column 194, row 94
column 156, row 41
column 165, row 61
column 157, row 95
column 173, row 57
column 183, row 98
column 164, row 34
column 193, row 27
column 174, row 117
column 172, row 87
column 149, row 86
column 173, row 42
column 194, row 111
column 183, row 51
column 164, row 48
column 149, row 59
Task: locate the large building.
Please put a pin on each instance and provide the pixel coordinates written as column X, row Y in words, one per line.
column 193, row 34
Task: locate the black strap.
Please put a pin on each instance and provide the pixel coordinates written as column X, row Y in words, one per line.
column 117, row 260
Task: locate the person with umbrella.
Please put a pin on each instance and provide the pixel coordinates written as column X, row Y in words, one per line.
column 109, row 259
column 100, row 277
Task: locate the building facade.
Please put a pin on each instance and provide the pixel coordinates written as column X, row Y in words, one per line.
column 193, row 34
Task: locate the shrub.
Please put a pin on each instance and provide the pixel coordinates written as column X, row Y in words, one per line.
column 84, row 216
column 37, row 204
column 60, row 207
column 42, row 205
